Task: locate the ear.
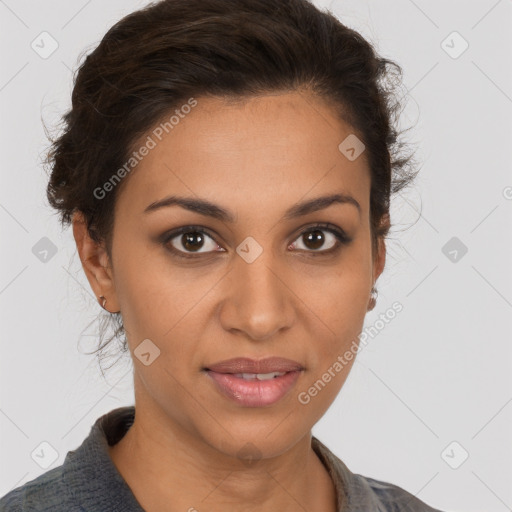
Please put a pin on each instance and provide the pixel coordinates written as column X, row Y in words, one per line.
column 95, row 262
column 379, row 259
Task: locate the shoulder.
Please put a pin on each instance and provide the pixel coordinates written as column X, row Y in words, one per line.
column 388, row 497
column 86, row 481
column 361, row 493
column 42, row 494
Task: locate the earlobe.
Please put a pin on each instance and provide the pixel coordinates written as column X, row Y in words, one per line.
column 378, row 267
column 95, row 262
column 378, row 264
column 373, row 299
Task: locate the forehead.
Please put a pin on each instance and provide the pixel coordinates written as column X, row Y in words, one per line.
column 264, row 153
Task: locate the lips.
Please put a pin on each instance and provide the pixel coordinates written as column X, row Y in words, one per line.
column 261, row 366
column 252, row 383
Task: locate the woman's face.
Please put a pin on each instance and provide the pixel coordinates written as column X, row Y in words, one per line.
column 254, row 286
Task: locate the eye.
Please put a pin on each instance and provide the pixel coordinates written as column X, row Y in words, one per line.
column 186, row 241
column 189, row 241
column 313, row 239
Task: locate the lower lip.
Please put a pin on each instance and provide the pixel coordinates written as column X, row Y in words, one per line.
column 254, row 393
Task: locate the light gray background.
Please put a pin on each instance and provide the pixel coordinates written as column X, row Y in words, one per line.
column 438, row 373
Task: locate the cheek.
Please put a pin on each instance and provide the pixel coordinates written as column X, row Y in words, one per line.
column 162, row 305
column 334, row 344
column 153, row 292
column 337, row 300
column 337, row 315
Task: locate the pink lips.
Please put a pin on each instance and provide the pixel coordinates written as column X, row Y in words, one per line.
column 255, row 393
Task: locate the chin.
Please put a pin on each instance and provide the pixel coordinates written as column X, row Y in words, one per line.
column 249, row 440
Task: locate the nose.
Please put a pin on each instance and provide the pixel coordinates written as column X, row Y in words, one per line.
column 259, row 302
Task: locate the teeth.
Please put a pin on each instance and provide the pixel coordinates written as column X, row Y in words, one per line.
column 259, row 376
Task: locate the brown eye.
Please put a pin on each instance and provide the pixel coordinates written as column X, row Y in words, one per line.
column 314, row 240
column 192, row 241
column 189, row 240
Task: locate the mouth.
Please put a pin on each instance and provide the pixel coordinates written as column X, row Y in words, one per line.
column 258, row 376
column 252, row 383
column 245, row 365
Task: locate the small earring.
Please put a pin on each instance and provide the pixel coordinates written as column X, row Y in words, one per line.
column 373, row 299
column 102, row 304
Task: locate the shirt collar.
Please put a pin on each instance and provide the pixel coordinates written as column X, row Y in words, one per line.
column 89, row 473
column 95, row 484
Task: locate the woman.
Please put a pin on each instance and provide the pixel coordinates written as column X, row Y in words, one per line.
column 227, row 169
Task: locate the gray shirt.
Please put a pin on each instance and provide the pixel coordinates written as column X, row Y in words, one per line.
column 88, row 480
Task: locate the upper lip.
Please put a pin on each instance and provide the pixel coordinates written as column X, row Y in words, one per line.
column 247, row 365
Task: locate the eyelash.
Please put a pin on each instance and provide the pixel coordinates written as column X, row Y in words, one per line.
column 341, row 237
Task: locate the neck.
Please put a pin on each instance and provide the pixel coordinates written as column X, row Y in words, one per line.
column 171, row 468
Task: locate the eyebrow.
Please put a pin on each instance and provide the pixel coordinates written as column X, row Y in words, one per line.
column 206, row 208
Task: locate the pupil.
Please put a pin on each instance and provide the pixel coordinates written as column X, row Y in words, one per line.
column 188, row 240
column 315, row 239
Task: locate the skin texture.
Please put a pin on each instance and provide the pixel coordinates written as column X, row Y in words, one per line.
column 256, row 159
